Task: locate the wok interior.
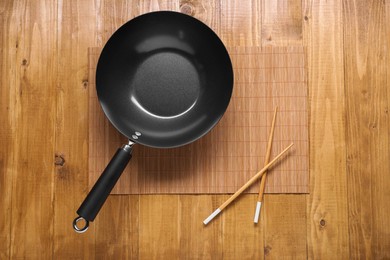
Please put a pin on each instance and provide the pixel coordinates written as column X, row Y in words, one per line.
column 164, row 79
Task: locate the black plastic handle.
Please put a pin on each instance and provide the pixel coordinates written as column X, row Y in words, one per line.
column 102, row 188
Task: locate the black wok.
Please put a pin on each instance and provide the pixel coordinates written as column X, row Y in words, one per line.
column 164, row 79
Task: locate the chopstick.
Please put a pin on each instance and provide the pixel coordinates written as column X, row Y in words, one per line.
column 245, row 186
column 262, row 183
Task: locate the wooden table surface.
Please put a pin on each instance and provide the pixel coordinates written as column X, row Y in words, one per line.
column 44, row 137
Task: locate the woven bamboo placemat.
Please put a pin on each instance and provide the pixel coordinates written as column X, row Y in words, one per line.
column 223, row 160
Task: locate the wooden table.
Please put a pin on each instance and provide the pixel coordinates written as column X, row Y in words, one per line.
column 43, row 137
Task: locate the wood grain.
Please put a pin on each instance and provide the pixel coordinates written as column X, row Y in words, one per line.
column 71, row 131
column 281, row 22
column 284, row 234
column 31, row 227
column 282, row 25
column 241, row 238
column 207, row 11
column 117, row 229
column 159, row 237
column 196, row 240
column 110, row 15
column 8, row 121
column 226, row 158
column 327, row 209
column 240, row 23
column 367, row 122
column 113, row 14
column 157, row 5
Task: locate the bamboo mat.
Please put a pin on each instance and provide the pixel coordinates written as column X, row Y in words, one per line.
column 223, row 160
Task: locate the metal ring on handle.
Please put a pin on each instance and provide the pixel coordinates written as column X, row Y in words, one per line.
column 76, row 228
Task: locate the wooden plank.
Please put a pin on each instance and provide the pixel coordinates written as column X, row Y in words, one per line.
column 285, row 226
column 159, row 235
column 117, row 228
column 110, row 15
column 281, row 22
column 196, row 240
column 157, row 5
column 113, row 14
column 242, row 239
column 241, row 35
column 387, row 22
column 367, row 131
column 8, row 118
column 32, row 184
column 240, row 23
column 75, row 34
column 327, row 213
column 207, row 11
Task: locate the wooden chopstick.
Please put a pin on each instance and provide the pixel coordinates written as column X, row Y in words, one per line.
column 267, row 155
column 245, row 186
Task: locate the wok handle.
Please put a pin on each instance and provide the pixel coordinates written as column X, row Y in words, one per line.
column 102, row 188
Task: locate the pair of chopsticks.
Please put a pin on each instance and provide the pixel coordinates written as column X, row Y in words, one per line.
column 254, row 178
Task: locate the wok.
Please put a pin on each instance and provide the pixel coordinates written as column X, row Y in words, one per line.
column 163, row 79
